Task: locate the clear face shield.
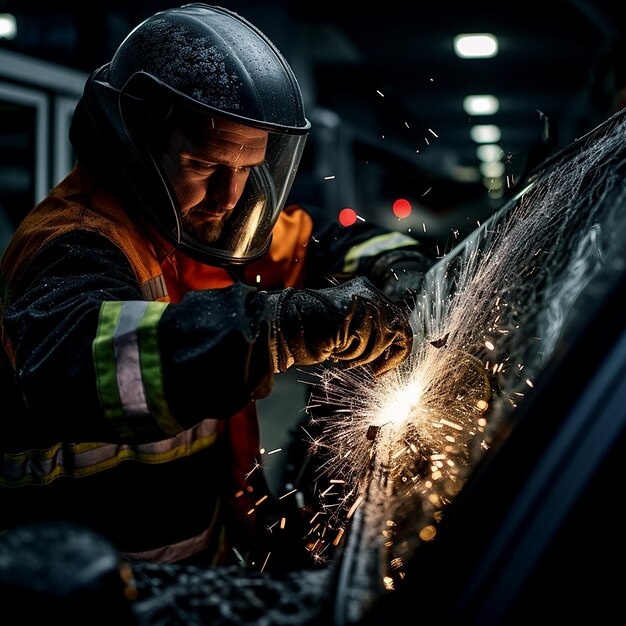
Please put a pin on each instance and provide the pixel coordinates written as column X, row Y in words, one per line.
column 245, row 231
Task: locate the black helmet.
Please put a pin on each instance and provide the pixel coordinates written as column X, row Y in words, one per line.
column 202, row 59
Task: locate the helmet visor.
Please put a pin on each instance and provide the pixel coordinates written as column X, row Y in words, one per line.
column 240, row 233
column 245, row 232
column 210, row 226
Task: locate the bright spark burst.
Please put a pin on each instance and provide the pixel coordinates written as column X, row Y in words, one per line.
column 409, row 426
column 400, row 448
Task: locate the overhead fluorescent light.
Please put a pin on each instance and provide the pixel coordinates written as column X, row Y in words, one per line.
column 476, row 45
column 481, row 105
column 488, row 152
column 494, row 169
column 485, row 133
column 8, row 26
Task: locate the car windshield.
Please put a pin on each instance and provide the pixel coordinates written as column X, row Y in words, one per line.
column 495, row 316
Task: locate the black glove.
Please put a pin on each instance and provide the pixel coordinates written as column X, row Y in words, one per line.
column 399, row 274
column 352, row 323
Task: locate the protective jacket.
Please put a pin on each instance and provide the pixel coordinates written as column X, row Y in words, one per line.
column 127, row 367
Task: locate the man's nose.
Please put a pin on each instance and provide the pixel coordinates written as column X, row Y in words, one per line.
column 227, row 189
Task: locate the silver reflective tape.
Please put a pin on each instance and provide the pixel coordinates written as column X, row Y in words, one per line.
column 126, row 346
column 84, row 459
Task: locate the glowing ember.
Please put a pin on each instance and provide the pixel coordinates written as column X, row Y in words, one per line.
column 428, row 533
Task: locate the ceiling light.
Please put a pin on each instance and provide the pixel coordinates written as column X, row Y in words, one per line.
column 476, row 46
column 485, row 133
column 8, row 26
column 495, row 169
column 488, row 152
column 481, row 105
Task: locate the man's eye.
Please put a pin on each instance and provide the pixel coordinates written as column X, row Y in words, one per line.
column 205, row 167
column 212, row 168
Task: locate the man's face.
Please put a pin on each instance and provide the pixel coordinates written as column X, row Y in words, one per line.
column 208, row 170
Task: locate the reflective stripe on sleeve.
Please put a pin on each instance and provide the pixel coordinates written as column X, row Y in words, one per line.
column 152, row 374
column 372, row 247
column 128, row 368
column 40, row 467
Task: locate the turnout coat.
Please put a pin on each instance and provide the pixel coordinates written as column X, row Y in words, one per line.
column 129, row 371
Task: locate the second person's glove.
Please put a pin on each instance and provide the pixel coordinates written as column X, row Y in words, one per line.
column 352, row 323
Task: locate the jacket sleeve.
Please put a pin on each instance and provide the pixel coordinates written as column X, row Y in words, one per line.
column 111, row 366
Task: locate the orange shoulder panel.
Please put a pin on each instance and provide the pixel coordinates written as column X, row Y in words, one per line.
column 74, row 204
column 283, row 265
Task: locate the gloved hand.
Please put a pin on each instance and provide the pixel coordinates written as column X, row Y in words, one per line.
column 399, row 274
column 352, row 323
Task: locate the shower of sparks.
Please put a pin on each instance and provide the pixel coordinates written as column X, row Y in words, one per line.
column 400, row 447
column 408, row 426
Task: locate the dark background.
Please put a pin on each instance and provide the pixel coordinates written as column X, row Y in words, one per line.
column 384, row 91
column 559, row 61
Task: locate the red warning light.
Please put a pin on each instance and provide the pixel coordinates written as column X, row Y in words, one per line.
column 401, row 208
column 347, row 217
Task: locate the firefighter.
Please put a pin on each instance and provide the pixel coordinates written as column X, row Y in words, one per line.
column 149, row 300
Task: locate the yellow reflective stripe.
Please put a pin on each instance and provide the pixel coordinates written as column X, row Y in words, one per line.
column 103, row 352
column 41, row 467
column 374, row 246
column 128, row 368
column 151, row 370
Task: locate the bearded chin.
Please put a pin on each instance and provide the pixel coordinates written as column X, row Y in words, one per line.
column 204, row 231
